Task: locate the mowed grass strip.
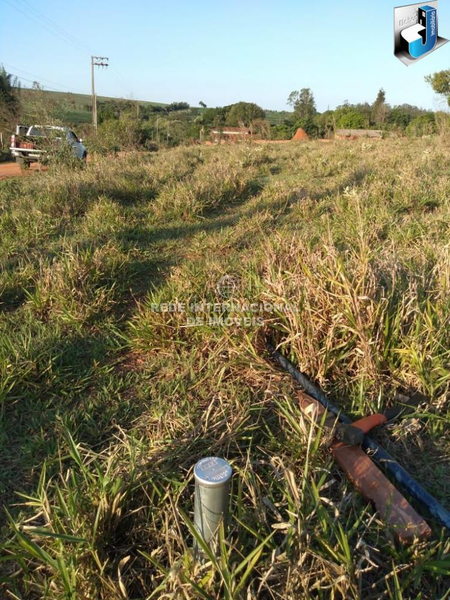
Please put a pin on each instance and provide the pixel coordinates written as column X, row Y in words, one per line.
column 107, row 403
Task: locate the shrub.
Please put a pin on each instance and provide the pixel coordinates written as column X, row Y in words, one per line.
column 309, row 125
column 127, row 133
column 350, row 119
column 423, row 125
column 281, row 132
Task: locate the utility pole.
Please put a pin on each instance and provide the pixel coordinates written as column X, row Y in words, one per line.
column 96, row 61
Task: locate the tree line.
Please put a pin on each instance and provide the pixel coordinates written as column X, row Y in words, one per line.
column 405, row 118
column 128, row 122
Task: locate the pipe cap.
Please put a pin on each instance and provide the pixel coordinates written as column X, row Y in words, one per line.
column 212, row 472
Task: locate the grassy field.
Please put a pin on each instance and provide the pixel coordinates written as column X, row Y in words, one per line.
column 108, row 402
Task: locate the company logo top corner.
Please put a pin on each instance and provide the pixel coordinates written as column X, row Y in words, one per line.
column 416, row 31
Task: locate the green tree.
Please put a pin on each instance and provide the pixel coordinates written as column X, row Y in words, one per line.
column 303, row 103
column 281, row 132
column 9, row 99
column 244, row 113
column 175, row 106
column 115, row 109
column 215, row 117
column 440, row 82
column 324, row 123
column 365, row 109
column 309, row 125
column 346, row 117
column 379, row 108
column 400, row 117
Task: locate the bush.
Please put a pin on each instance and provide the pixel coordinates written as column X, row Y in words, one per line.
column 127, row 133
column 324, row 123
column 423, row 125
column 443, row 123
column 281, row 132
column 309, row 125
column 399, row 117
column 350, row 119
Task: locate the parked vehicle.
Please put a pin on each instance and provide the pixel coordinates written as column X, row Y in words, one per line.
column 33, row 144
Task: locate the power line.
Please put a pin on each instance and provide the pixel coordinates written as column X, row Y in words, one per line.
column 70, row 37
column 34, row 81
column 59, row 32
column 60, row 29
column 121, row 80
column 52, row 31
column 39, row 79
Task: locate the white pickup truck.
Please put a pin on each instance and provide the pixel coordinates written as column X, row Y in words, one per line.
column 32, row 144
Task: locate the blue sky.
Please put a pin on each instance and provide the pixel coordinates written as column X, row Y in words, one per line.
column 219, row 51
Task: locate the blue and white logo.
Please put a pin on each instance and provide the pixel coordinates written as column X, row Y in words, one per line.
column 416, row 32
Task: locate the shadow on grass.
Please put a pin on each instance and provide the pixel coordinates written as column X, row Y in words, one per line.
column 67, row 376
column 70, row 377
column 64, row 380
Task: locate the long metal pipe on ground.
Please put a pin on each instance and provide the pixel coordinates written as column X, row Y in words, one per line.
column 376, row 451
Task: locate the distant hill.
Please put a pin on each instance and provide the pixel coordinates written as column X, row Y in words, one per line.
column 73, row 108
column 277, row 117
column 76, row 108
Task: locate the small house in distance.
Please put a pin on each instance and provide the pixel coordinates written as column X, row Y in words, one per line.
column 230, row 134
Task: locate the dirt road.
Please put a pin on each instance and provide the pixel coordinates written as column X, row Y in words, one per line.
column 12, row 169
